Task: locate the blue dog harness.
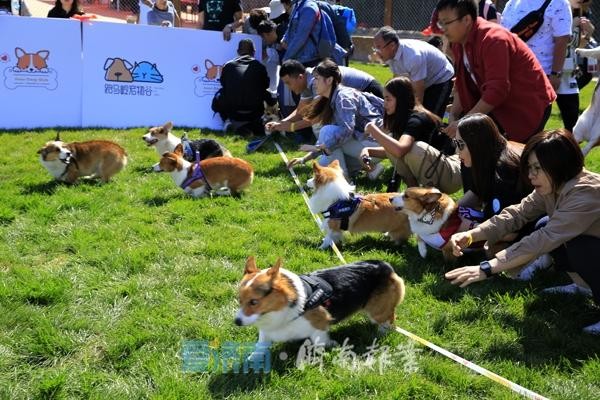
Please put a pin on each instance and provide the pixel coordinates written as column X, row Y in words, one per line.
column 197, row 175
column 343, row 209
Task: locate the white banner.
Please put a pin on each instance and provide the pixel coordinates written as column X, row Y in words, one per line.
column 139, row 75
column 40, row 72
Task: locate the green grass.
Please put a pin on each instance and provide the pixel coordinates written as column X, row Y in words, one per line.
column 101, row 284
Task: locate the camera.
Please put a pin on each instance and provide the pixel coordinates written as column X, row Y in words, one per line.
column 366, row 160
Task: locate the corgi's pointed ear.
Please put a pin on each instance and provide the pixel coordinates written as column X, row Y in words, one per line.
column 335, row 164
column 316, row 166
column 43, row 54
column 250, row 266
column 179, row 149
column 274, row 270
column 19, row 52
column 168, row 126
column 57, row 139
column 431, row 197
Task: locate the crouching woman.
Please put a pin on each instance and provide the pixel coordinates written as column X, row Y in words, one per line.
column 344, row 112
column 570, row 196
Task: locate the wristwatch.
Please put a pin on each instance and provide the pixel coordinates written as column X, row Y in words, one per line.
column 486, row 268
column 556, row 73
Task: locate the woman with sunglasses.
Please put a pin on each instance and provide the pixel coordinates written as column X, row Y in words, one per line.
column 343, row 112
column 407, row 139
column 570, row 195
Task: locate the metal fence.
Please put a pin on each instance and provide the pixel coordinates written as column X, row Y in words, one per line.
column 408, row 15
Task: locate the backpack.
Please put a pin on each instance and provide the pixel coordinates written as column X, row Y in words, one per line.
column 531, row 23
column 343, row 20
column 327, row 38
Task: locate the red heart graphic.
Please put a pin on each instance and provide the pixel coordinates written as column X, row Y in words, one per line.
column 4, row 57
column 195, row 69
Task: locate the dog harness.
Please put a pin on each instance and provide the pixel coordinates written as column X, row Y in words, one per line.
column 343, row 209
column 439, row 239
column 197, row 175
column 318, row 292
column 188, row 152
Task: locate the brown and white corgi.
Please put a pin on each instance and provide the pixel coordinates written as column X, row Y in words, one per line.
column 433, row 217
column 343, row 210
column 95, row 158
column 286, row 306
column 163, row 141
column 223, row 175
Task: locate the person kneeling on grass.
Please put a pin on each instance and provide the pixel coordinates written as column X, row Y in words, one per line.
column 344, row 112
column 570, row 195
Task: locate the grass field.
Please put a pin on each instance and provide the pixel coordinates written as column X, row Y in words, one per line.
column 101, row 285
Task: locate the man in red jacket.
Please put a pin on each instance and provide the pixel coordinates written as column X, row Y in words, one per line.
column 496, row 73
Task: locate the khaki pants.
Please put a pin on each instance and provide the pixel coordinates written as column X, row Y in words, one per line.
column 419, row 165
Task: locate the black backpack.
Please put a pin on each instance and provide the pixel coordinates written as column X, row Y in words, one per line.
column 531, row 23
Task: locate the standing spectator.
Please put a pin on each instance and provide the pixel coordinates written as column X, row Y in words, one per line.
column 550, row 44
column 583, row 32
column 496, row 73
column 220, row 15
column 429, row 69
column 241, row 99
column 163, row 13
column 566, row 192
column 409, row 141
column 65, row 9
column 487, row 10
column 301, row 81
column 301, row 40
column 21, row 9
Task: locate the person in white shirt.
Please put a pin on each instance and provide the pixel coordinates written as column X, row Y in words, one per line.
column 551, row 46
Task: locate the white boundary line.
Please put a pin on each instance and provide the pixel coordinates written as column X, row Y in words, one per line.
column 474, row 367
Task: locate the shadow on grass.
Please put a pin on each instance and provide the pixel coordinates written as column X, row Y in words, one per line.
column 224, row 385
column 41, row 188
column 50, row 187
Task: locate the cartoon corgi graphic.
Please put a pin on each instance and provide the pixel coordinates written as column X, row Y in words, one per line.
column 32, row 62
column 213, row 71
column 118, row 70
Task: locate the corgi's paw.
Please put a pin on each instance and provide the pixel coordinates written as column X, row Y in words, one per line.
column 223, row 191
column 422, row 248
column 326, row 243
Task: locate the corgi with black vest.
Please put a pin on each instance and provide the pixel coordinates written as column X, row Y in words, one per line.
column 286, row 306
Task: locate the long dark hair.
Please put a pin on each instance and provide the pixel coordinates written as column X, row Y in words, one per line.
column 557, row 152
column 406, row 104
column 320, row 109
column 489, row 151
column 75, row 9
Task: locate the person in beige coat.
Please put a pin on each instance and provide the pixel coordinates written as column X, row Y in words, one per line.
column 570, row 196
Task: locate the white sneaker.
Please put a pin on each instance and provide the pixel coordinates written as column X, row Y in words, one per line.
column 573, row 288
column 526, row 274
column 376, row 171
column 593, row 329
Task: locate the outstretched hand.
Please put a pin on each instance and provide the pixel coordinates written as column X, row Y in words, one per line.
column 465, row 276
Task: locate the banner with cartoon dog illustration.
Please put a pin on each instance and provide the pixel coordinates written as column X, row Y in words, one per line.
column 40, row 72
column 136, row 75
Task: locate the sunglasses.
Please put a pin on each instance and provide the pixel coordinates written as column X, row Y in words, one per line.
column 460, row 145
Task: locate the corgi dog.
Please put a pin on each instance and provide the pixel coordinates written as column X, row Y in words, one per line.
column 334, row 197
column 164, row 141
column 224, row 175
column 32, row 62
column 286, row 306
column 433, row 217
column 95, row 158
column 213, row 71
column 587, row 127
